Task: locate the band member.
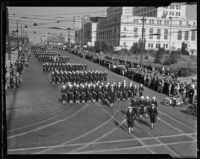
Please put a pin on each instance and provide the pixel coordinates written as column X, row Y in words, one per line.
column 130, row 117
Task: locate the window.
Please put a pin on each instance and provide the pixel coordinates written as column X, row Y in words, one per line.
column 193, row 36
column 124, row 28
column 179, row 35
column 166, row 12
column 177, row 7
column 158, row 32
column 186, row 35
column 187, row 23
column 194, row 23
column 180, row 22
column 151, row 32
column 166, row 45
column 169, row 13
column 172, row 7
column 176, row 13
column 157, row 45
column 172, row 13
column 152, row 21
column 151, row 45
column 166, row 34
column 135, row 32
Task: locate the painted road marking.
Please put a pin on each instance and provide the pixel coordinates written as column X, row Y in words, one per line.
column 53, row 116
column 132, row 148
column 177, row 120
column 102, row 142
column 50, row 148
column 48, row 125
column 132, row 134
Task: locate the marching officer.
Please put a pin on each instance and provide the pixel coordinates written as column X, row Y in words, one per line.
column 147, row 106
column 154, row 101
column 130, row 118
column 153, row 113
column 141, row 106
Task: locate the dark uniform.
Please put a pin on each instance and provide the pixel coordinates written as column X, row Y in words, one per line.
column 153, row 112
column 130, row 117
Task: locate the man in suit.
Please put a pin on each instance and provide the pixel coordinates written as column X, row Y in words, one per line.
column 130, row 117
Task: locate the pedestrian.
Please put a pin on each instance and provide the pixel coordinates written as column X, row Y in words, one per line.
column 130, row 117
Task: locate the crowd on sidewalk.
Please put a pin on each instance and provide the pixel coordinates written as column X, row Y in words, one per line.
column 13, row 71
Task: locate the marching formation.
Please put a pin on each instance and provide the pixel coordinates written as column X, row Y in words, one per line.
column 99, row 91
column 62, row 77
column 52, row 66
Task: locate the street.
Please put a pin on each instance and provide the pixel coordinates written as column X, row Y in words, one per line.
column 37, row 122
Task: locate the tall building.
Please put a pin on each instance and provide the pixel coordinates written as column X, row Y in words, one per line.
column 43, row 40
column 77, row 22
column 118, row 11
column 123, row 31
column 174, row 10
column 87, row 35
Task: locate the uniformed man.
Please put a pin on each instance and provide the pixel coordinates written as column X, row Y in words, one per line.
column 141, row 106
column 153, row 113
column 147, row 105
column 130, row 117
column 154, row 101
column 63, row 94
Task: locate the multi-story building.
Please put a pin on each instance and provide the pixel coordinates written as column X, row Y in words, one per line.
column 124, row 29
column 168, row 33
column 174, row 10
column 78, row 35
column 43, row 39
column 88, row 33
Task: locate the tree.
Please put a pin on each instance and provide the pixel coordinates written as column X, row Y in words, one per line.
column 159, row 55
column 184, row 49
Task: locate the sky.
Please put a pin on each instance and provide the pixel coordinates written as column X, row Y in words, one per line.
column 48, row 17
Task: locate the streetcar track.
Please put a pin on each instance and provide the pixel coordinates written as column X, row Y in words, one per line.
column 103, row 142
column 42, row 120
column 74, row 139
column 47, row 125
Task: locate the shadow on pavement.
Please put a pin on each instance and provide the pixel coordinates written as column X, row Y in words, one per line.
column 123, row 126
column 143, row 122
column 11, row 108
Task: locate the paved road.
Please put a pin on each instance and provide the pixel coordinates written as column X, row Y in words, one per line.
column 38, row 123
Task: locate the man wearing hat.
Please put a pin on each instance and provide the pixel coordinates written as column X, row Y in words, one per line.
column 153, row 112
column 130, row 117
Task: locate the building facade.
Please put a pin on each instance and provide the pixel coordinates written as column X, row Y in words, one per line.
column 175, row 10
column 123, row 31
column 87, row 35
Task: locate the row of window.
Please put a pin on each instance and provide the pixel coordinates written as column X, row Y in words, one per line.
column 174, row 7
column 171, row 13
column 143, row 9
column 108, row 34
column 150, row 45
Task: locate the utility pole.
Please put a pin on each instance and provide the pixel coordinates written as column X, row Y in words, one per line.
column 9, row 38
column 17, row 41
column 21, row 35
column 141, row 57
column 170, row 34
